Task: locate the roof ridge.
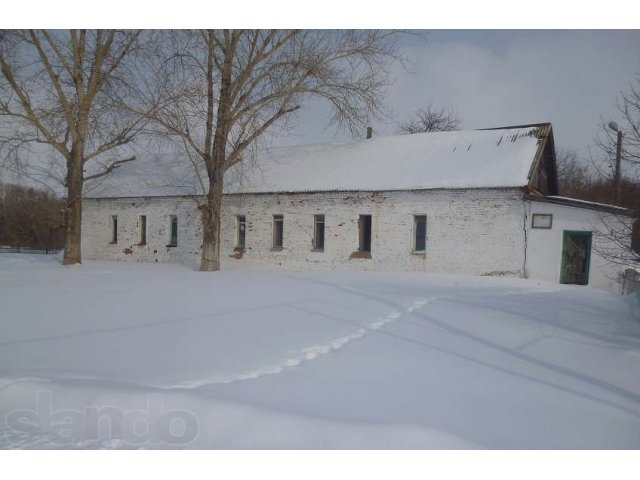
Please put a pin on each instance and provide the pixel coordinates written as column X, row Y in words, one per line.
column 527, row 125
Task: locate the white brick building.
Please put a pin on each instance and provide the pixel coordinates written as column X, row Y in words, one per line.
column 451, row 202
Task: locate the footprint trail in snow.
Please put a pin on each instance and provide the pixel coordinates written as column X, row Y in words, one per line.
column 311, row 353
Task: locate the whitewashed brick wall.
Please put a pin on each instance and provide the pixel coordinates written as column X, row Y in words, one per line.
column 96, row 230
column 544, row 252
column 473, row 231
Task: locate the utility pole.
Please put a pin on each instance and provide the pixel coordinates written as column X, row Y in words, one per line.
column 616, row 183
column 616, row 179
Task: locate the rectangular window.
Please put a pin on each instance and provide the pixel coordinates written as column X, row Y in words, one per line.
column 318, row 232
column 364, row 226
column 143, row 229
column 114, row 229
column 278, row 232
column 419, row 233
column 241, row 231
column 173, row 241
column 541, row 220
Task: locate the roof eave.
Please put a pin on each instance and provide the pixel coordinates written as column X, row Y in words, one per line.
column 570, row 202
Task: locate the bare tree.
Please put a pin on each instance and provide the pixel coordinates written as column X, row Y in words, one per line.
column 430, row 119
column 628, row 106
column 224, row 90
column 575, row 177
column 68, row 91
column 618, row 231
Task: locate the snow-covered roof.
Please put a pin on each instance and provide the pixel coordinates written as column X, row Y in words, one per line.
column 460, row 159
column 150, row 175
column 575, row 202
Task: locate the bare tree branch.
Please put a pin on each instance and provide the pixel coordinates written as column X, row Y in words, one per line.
column 109, row 168
column 431, row 120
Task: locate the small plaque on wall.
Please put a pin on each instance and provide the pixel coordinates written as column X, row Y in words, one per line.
column 542, row 220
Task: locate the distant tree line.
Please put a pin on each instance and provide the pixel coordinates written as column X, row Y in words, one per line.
column 30, row 217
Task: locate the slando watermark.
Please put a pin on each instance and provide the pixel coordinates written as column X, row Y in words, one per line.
column 152, row 426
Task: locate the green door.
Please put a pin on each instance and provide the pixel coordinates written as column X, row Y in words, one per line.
column 576, row 256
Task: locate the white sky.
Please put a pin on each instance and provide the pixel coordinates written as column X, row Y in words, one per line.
column 502, row 77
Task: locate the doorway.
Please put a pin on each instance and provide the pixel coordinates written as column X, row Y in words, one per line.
column 576, row 256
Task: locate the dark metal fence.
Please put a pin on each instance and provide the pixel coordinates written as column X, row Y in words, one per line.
column 37, row 251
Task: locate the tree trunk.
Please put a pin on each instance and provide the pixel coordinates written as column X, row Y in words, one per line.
column 215, row 160
column 211, row 213
column 73, row 213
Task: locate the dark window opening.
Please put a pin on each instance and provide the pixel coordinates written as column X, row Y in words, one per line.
column 364, row 225
column 173, row 241
column 241, row 231
column 143, row 229
column 114, row 229
column 420, row 233
column 318, row 232
column 278, row 232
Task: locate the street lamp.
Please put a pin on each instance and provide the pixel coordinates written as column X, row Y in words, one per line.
column 616, row 182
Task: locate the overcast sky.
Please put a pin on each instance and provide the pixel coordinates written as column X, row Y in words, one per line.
column 496, row 78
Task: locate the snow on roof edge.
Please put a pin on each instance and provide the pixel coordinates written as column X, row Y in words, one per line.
column 579, row 203
column 289, row 192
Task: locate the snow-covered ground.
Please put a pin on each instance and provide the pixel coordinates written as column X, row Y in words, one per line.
column 109, row 355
